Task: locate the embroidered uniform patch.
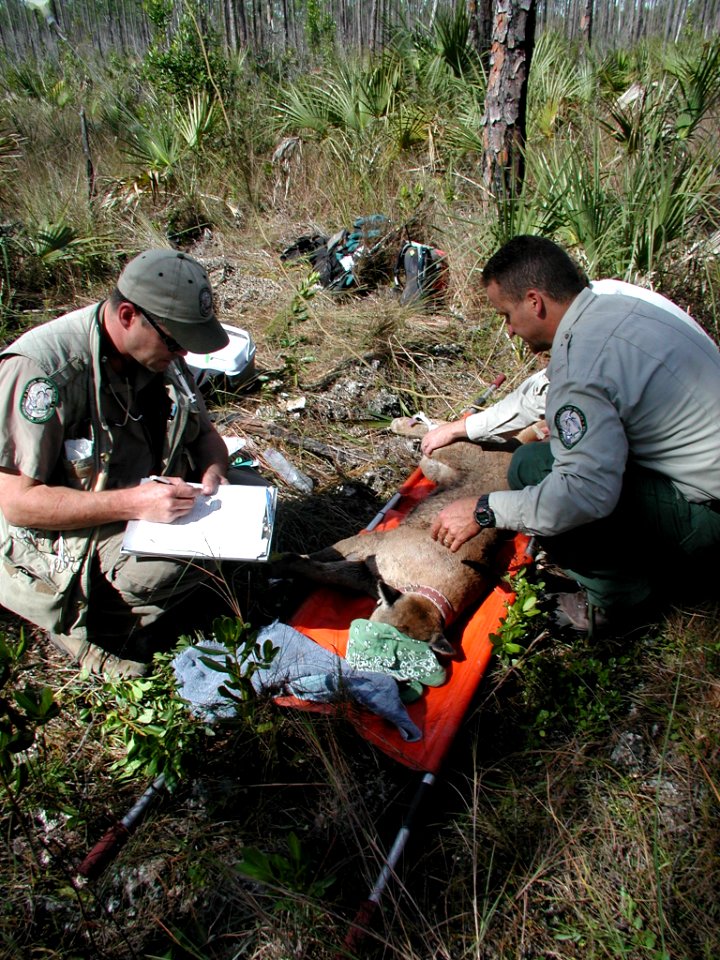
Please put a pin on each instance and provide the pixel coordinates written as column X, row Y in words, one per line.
column 571, row 425
column 206, row 303
column 39, row 400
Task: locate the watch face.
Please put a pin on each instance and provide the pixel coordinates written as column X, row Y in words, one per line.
column 484, row 517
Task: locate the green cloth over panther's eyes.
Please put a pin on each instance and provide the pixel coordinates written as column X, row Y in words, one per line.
column 381, row 648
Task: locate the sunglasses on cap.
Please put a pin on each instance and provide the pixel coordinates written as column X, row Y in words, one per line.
column 170, row 342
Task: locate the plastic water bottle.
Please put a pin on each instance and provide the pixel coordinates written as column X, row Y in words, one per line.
column 290, row 473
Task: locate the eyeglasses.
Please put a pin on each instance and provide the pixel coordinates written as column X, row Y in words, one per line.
column 170, row 342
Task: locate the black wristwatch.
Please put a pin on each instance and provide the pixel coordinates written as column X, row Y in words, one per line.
column 484, row 517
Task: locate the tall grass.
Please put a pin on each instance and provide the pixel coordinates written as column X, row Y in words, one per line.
column 625, row 182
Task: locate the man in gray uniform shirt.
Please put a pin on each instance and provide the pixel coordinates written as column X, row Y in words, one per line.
column 627, row 490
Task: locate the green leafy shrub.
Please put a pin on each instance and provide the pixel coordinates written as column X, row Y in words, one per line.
column 150, row 722
column 22, row 713
column 278, row 872
column 508, row 641
column 192, row 61
column 244, row 658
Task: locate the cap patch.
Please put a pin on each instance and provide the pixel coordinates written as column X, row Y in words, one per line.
column 571, row 425
column 206, row 304
column 39, row 400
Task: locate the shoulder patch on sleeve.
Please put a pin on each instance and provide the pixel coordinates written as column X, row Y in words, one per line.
column 571, row 425
column 39, row 400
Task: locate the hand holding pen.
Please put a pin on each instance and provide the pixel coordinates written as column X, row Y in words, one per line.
column 164, row 499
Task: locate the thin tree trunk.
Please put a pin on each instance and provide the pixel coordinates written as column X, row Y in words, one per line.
column 373, row 27
column 89, row 167
column 586, row 24
column 473, row 28
column 242, row 23
column 230, row 32
column 286, row 25
column 503, row 166
column 343, row 24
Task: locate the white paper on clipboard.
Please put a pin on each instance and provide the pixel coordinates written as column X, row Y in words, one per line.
column 236, row 523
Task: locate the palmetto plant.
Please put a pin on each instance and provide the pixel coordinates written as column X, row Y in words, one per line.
column 157, row 146
column 349, row 99
column 40, row 82
column 629, row 189
column 665, row 202
column 423, row 77
column 57, row 249
column 560, row 86
column 431, row 53
column 698, row 78
column 571, row 178
column 58, row 242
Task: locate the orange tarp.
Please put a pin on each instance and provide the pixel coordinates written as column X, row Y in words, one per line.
column 325, row 616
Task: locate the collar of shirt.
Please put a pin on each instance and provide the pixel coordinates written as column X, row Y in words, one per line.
column 581, row 302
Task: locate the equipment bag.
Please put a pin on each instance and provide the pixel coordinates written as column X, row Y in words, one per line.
column 421, row 273
column 349, row 249
column 335, row 259
column 304, row 247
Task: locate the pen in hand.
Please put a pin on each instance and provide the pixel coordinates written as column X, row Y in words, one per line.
column 176, row 482
column 163, row 499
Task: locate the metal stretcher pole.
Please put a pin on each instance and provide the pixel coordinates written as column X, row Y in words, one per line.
column 108, row 846
column 486, row 394
column 367, row 909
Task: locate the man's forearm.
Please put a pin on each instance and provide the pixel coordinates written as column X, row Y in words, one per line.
column 26, row 503
column 61, row 508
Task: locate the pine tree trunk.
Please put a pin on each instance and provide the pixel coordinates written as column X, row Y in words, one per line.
column 230, row 33
column 373, row 26
column 586, row 24
column 480, row 21
column 242, row 23
column 503, row 164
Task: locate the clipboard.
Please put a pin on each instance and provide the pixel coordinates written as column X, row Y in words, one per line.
column 236, row 523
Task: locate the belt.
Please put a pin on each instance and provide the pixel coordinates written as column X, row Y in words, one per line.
column 713, row 504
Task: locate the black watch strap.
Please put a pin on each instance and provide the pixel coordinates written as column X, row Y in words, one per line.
column 484, row 517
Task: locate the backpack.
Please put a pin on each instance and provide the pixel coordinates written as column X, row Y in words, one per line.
column 341, row 259
column 421, row 273
column 304, row 247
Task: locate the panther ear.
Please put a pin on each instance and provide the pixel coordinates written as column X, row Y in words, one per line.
column 387, row 594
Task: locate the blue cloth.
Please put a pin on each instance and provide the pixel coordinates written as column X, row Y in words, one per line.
column 301, row 668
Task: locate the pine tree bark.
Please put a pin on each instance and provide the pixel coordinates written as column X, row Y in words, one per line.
column 480, row 22
column 586, row 23
column 504, row 121
column 373, row 27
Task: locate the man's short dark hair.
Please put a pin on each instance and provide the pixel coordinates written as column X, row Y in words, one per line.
column 528, row 262
column 116, row 298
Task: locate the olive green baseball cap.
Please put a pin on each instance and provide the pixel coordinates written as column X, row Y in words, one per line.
column 174, row 289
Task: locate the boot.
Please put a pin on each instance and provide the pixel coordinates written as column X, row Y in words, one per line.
column 95, row 660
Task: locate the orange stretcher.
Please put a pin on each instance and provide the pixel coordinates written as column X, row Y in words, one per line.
column 325, row 617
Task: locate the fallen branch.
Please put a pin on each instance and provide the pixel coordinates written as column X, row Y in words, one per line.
column 255, row 427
